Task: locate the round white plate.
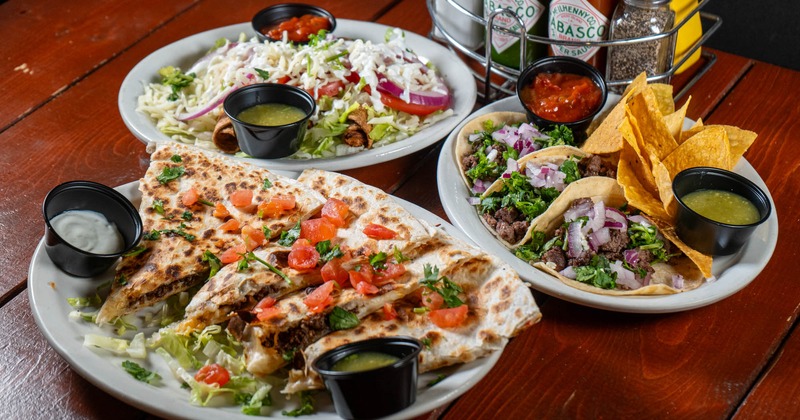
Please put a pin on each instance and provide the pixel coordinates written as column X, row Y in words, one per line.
column 185, row 52
column 49, row 288
column 732, row 273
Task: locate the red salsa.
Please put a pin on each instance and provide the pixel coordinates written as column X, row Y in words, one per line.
column 297, row 28
column 562, row 97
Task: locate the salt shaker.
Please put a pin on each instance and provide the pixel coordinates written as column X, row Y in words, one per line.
column 636, row 19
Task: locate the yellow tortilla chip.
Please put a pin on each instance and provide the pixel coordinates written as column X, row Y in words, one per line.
column 703, row 261
column 739, row 140
column 709, row 147
column 636, row 194
column 663, row 95
column 674, row 121
column 694, row 129
column 657, row 141
column 663, row 181
column 632, row 154
column 605, row 138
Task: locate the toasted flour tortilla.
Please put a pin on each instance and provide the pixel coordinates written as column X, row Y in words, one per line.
column 266, row 342
column 462, row 144
column 173, row 262
column 611, row 194
column 500, row 306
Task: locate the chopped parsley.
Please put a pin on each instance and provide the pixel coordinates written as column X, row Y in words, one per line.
column 140, row 373
column 341, row 319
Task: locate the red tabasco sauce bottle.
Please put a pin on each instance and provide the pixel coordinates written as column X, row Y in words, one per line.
column 580, row 20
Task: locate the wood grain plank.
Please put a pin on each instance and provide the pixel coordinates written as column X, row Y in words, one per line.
column 47, row 49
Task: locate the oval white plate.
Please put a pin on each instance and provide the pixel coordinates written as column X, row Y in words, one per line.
column 185, row 52
column 732, row 273
column 49, row 288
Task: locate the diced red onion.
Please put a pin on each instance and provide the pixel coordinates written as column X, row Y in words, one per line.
column 625, row 277
column 491, row 155
column 569, row 272
column 511, row 165
column 473, row 201
column 429, row 98
column 619, row 220
column 598, row 217
column 637, row 218
column 577, row 211
column 631, row 257
column 474, row 137
column 478, row 186
column 599, row 238
column 575, row 240
column 677, row 281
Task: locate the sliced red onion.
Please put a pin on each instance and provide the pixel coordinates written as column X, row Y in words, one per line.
column 677, row 281
column 598, row 217
column 613, row 225
column 512, row 165
column 204, row 60
column 599, row 238
column 637, row 218
column 575, row 240
column 211, row 105
column 625, row 277
column 473, row 201
column 431, row 98
column 569, row 272
column 618, row 218
column 631, row 257
column 478, row 186
column 575, row 212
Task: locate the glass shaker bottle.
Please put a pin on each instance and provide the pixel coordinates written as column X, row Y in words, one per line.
column 636, row 19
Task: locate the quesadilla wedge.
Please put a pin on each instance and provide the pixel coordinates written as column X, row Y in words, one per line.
column 500, row 305
column 302, row 318
column 195, row 204
column 588, row 243
column 527, row 189
column 486, row 144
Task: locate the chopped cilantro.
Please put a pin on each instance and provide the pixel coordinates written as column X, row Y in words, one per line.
column 213, row 262
column 326, row 252
column 158, row 206
column 175, row 79
column 267, row 231
column 135, row 251
column 187, row 215
column 263, row 73
column 426, row 342
column 176, row 158
column 378, row 261
column 267, row 184
column 341, row 319
column 449, row 290
column 289, row 236
column 399, row 257
column 244, row 263
column 439, row 378
column 306, row 406
column 140, row 373
column 598, row 273
column 170, row 173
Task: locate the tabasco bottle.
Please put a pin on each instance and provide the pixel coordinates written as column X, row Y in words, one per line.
column 505, row 48
column 580, row 20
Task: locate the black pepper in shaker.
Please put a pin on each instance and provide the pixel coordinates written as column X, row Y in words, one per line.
column 637, row 19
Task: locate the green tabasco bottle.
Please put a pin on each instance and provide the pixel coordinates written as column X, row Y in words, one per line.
column 580, row 20
column 505, row 48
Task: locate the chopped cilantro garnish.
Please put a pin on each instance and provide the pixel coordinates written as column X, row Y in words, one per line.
column 175, row 79
column 439, row 378
column 263, row 73
column 399, row 257
column 169, row 173
column 213, row 262
column 176, row 158
column 187, row 215
column 306, row 406
column 289, row 236
column 267, row 184
column 244, row 263
column 448, row 290
column 158, row 206
column 135, row 251
column 378, row 261
column 341, row 319
column 326, row 252
column 140, row 373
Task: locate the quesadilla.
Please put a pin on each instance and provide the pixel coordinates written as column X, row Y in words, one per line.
column 500, row 306
column 195, row 204
column 587, row 242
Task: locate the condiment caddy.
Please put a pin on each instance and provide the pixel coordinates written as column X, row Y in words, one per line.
column 499, row 76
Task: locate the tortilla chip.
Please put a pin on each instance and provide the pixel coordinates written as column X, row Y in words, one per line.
column 636, row 194
column 632, row 154
column 709, row 147
column 657, row 140
column 663, row 95
column 674, row 121
column 702, row 261
column 694, row 129
column 606, row 138
column 739, row 140
column 663, row 181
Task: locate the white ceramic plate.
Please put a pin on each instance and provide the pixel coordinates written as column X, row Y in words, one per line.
column 185, row 52
column 49, row 288
column 732, row 273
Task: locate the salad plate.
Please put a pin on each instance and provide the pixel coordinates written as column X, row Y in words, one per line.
column 731, row 273
column 185, row 52
column 49, row 288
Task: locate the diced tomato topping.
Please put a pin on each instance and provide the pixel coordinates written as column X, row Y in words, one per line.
column 190, row 197
column 331, row 89
column 231, row 225
column 431, row 299
column 220, row 211
column 416, row 109
column 376, row 231
column 276, row 206
column 336, row 211
column 317, row 230
column 232, row 254
column 265, row 309
column 450, row 317
column 303, row 257
column 213, row 374
column 320, row 298
column 284, row 79
column 242, row 198
column 388, row 312
column 253, row 238
column 387, row 275
column 353, row 77
column 366, row 288
column 332, row 270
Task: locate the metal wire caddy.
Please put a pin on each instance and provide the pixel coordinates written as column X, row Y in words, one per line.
column 482, row 55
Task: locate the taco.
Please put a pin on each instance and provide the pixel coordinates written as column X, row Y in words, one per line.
column 509, row 206
column 592, row 242
column 498, row 305
column 485, row 145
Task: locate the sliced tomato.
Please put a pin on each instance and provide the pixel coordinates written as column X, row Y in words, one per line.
column 213, row 374
column 320, row 298
column 431, row 299
column 387, row 275
column 253, row 238
column 450, row 317
column 353, row 77
column 317, row 230
column 331, row 89
column 400, row 105
column 284, row 79
column 366, row 288
column 265, row 309
column 241, row 198
column 376, row 231
column 231, row 225
column 303, row 257
column 333, row 270
column 389, row 313
column 190, row 197
column 232, row 254
column 220, row 211
column 336, row 211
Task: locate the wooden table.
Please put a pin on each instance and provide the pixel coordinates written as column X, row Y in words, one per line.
column 62, row 65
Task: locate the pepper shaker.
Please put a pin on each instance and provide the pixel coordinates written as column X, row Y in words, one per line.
column 636, row 19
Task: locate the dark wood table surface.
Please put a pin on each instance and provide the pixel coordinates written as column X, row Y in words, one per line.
column 63, row 63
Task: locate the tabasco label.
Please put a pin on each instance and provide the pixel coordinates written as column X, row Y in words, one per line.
column 576, row 20
column 529, row 10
